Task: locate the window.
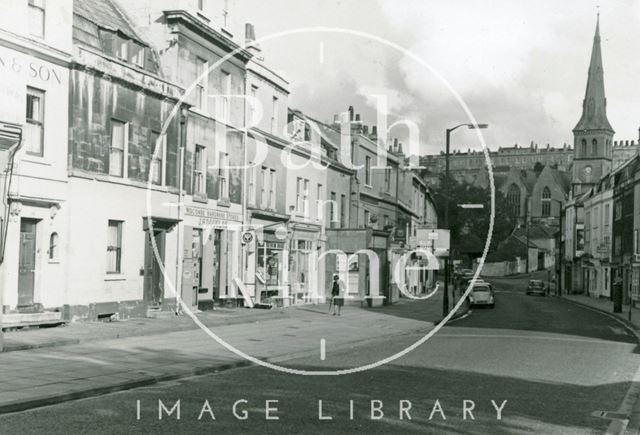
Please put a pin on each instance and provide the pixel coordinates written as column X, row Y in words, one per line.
column 583, row 144
column 367, row 171
column 157, row 158
column 606, row 215
column 35, row 122
column 53, row 246
column 385, row 221
column 332, row 210
column 263, row 190
column 366, row 218
column 594, row 147
column 117, row 150
column 251, row 175
column 252, row 102
column 546, row 202
column 513, row 199
column 136, row 55
column 617, row 211
column 36, row 18
column 199, row 170
column 305, row 199
column 223, row 176
column 387, row 179
column 274, row 115
column 122, row 48
column 201, row 85
column 343, row 208
column 114, row 246
column 226, row 91
column 318, row 202
column 272, row 189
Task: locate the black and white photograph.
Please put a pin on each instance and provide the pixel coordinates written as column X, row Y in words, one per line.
column 319, row 217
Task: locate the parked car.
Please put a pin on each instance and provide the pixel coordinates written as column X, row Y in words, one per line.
column 536, row 287
column 482, row 294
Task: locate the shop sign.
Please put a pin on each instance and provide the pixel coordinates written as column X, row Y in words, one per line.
column 208, row 217
column 247, row 237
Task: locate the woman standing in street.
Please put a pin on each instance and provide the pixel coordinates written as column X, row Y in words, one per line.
column 336, row 294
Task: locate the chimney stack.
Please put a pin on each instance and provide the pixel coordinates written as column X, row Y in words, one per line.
column 365, row 130
column 250, row 40
column 336, row 118
column 350, row 113
column 357, row 117
column 395, row 144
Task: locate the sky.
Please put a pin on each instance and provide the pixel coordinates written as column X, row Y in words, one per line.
column 520, row 66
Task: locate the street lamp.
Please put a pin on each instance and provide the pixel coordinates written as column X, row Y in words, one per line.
column 445, row 299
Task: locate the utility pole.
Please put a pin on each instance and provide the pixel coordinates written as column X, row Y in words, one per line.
column 526, row 223
column 445, row 297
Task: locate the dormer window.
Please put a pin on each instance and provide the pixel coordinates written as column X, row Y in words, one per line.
column 122, row 49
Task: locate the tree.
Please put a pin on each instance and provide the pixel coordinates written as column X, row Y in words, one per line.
column 465, row 223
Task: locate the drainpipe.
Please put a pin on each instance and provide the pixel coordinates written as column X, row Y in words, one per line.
column 5, row 223
column 181, row 136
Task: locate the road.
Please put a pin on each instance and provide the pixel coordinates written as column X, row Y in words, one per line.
column 552, row 361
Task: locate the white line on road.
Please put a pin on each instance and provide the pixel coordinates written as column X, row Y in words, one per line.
column 322, row 349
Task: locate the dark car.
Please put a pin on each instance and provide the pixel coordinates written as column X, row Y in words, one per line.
column 536, row 287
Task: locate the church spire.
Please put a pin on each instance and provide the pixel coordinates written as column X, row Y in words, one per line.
column 594, row 105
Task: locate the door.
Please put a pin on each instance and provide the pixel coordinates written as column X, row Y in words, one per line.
column 27, row 261
column 215, row 258
column 153, row 277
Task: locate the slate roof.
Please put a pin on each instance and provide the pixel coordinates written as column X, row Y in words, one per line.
column 106, row 15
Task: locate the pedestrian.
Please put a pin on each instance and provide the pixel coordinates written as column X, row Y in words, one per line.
column 336, row 295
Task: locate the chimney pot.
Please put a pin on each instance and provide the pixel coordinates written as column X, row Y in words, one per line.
column 249, row 33
column 350, row 113
column 365, row 130
column 374, row 130
column 357, row 117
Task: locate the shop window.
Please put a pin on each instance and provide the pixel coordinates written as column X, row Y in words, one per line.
column 36, row 18
column 35, row 122
column 117, row 150
column 114, row 247
column 53, row 246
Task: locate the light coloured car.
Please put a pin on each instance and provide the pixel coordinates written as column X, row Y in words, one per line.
column 482, row 294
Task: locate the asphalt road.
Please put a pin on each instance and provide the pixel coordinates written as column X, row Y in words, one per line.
column 553, row 362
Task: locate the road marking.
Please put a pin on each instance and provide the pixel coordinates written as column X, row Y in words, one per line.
column 322, row 349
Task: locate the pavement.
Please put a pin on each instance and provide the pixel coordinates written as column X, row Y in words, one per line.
column 561, row 368
column 53, row 365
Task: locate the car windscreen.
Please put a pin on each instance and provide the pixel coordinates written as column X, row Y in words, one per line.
column 480, row 288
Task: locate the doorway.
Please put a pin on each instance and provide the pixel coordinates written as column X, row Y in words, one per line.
column 153, row 277
column 27, row 262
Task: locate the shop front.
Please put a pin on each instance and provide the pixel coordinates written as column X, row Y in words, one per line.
column 210, row 257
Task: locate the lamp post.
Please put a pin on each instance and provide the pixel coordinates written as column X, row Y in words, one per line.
column 445, row 298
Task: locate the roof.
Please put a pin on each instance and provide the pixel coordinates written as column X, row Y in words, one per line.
column 537, row 231
column 594, row 105
column 106, row 15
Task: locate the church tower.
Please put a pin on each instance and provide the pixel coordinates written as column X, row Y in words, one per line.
column 592, row 135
